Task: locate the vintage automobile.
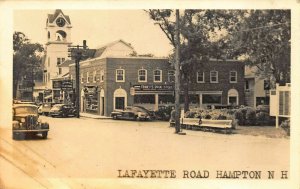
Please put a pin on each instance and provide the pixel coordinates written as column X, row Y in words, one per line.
column 62, row 110
column 131, row 113
column 26, row 121
column 44, row 109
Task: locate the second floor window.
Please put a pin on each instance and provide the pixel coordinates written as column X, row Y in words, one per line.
column 60, row 60
column 59, row 71
column 101, row 75
column 142, row 75
column 120, row 75
column 233, row 77
column 200, row 77
column 171, row 76
column 94, row 77
column 157, row 75
column 87, row 77
column 214, row 77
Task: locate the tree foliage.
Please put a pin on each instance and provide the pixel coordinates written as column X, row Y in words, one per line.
column 26, row 59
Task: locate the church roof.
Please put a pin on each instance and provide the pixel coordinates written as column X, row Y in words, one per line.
column 100, row 50
column 52, row 17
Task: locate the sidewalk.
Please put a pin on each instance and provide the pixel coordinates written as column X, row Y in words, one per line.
column 82, row 114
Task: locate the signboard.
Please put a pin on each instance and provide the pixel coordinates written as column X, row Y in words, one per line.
column 153, row 87
column 62, row 84
column 67, row 84
column 56, row 84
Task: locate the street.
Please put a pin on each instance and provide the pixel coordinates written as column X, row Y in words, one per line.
column 78, row 151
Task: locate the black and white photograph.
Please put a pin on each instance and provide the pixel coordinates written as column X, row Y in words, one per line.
column 173, row 96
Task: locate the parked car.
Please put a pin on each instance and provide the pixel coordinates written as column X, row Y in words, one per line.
column 44, row 109
column 26, row 121
column 62, row 110
column 131, row 113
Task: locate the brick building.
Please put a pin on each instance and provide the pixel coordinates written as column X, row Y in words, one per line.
column 119, row 79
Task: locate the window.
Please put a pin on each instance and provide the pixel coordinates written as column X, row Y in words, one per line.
column 58, row 61
column 48, row 76
column 62, row 60
column 101, row 75
column 171, row 76
column 87, row 77
column 211, row 99
column 94, row 77
column 142, row 75
column 200, row 77
column 284, row 103
column 247, row 85
column 59, row 71
column 214, row 77
column 48, row 61
column 120, row 75
column 157, row 75
column 233, row 77
column 82, row 79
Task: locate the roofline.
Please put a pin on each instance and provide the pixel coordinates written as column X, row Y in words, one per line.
column 120, row 57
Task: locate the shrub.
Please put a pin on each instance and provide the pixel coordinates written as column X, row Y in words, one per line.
column 286, row 126
column 250, row 116
column 262, row 118
column 239, row 117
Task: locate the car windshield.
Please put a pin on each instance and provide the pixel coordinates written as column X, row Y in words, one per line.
column 25, row 110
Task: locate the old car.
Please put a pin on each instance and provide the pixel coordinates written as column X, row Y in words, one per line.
column 62, row 110
column 131, row 113
column 44, row 109
column 26, row 121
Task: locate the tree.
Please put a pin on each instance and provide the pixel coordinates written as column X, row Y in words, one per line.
column 198, row 29
column 263, row 38
column 26, row 59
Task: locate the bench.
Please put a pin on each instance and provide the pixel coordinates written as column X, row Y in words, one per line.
column 206, row 124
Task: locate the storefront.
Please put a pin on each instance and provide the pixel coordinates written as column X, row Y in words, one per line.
column 90, row 100
column 63, row 91
column 152, row 96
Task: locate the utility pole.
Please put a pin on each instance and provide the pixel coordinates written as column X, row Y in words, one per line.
column 177, row 75
column 77, row 52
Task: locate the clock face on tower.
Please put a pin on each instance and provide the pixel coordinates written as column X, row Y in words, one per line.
column 60, row 22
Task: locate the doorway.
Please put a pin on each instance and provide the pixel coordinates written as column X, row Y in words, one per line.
column 120, row 103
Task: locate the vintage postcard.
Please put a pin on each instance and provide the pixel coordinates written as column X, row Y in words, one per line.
column 156, row 94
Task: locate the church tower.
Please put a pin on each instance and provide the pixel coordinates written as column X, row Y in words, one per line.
column 58, row 31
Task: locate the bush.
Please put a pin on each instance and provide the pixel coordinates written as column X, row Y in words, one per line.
column 286, row 126
column 250, row 116
column 262, row 118
column 239, row 116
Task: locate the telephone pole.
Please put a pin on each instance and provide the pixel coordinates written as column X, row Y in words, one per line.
column 77, row 52
column 177, row 75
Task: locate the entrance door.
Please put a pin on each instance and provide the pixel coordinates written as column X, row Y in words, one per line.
column 120, row 103
column 102, row 106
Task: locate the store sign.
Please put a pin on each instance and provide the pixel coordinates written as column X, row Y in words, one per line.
column 63, row 84
column 67, row 84
column 56, row 84
column 153, row 87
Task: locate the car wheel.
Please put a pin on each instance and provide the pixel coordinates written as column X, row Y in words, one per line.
column 115, row 117
column 45, row 134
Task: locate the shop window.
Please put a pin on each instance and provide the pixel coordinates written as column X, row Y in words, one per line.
column 120, row 75
column 142, row 75
column 214, row 77
column 144, row 99
column 166, row 99
column 211, row 99
column 233, row 77
column 171, row 76
column 200, row 77
column 157, row 75
column 194, row 99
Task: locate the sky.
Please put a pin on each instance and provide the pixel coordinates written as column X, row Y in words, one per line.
column 99, row 27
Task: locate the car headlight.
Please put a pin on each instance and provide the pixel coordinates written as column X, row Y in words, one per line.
column 22, row 120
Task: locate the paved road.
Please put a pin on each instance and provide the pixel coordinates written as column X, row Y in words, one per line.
column 80, row 151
